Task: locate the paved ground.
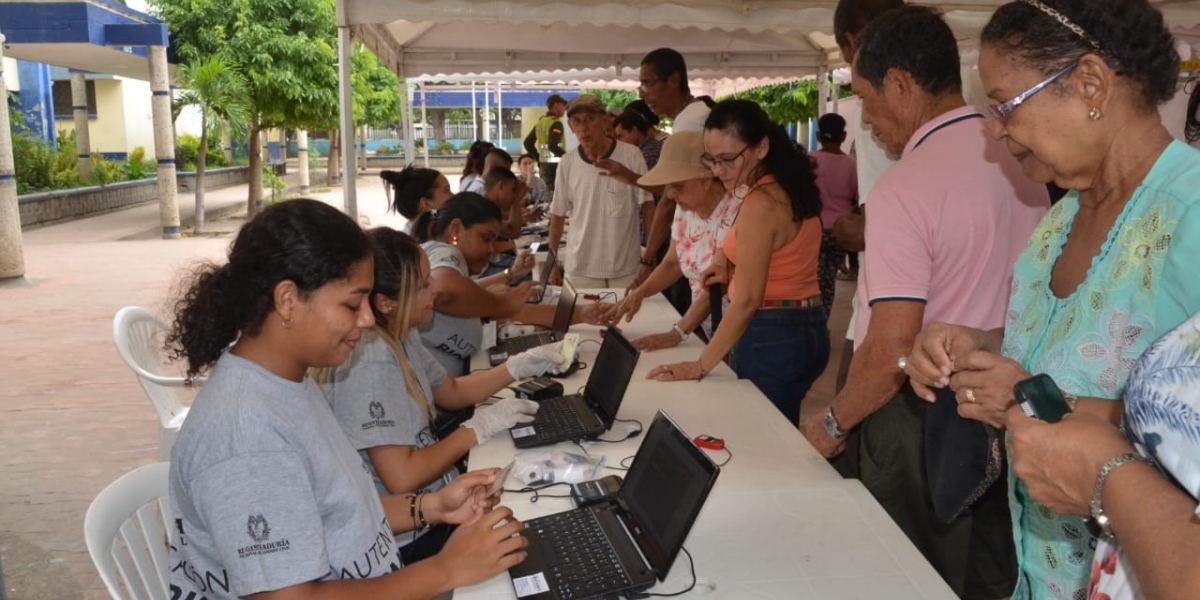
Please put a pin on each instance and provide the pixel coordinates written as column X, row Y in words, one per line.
column 72, row 417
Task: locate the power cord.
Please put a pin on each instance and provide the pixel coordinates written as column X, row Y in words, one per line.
column 536, row 491
column 691, row 567
column 727, row 458
column 623, row 467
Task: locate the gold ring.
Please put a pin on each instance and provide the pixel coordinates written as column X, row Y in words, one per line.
column 970, row 395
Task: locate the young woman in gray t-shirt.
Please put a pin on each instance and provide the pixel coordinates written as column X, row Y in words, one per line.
column 268, row 496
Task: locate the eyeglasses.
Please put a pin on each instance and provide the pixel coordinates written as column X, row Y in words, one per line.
column 712, row 162
column 1001, row 111
column 646, row 84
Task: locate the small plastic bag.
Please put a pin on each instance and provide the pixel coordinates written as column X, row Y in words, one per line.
column 545, row 466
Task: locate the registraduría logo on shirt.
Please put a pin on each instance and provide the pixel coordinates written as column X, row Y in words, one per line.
column 259, row 531
column 377, row 417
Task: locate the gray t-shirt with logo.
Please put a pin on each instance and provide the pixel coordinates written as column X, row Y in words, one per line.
column 372, row 403
column 451, row 339
column 267, row 492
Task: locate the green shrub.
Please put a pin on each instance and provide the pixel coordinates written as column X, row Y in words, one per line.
column 443, row 147
column 216, row 153
column 34, row 164
column 383, row 149
column 187, row 148
column 106, row 171
column 137, row 167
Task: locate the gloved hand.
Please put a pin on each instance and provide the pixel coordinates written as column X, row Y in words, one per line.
column 501, row 416
column 535, row 361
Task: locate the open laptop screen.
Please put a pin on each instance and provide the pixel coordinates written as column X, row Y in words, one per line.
column 610, row 374
column 664, row 490
column 564, row 310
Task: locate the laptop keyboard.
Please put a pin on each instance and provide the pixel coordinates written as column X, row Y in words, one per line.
column 558, row 419
column 522, row 343
column 581, row 558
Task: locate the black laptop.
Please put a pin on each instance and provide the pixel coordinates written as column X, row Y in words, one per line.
column 625, row 545
column 586, row 415
column 544, row 283
column 563, row 312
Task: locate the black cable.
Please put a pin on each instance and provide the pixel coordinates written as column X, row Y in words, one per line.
column 629, row 435
column 691, row 566
column 536, row 491
column 728, row 458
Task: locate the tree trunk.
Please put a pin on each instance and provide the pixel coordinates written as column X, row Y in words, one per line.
column 201, row 160
column 256, row 166
column 334, row 161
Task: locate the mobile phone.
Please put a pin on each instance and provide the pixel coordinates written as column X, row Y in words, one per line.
column 501, row 477
column 533, row 248
column 1041, row 399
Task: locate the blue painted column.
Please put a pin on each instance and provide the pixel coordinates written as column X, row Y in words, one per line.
column 12, row 253
column 164, row 141
column 37, row 100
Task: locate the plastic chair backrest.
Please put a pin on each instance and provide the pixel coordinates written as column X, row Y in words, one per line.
column 128, row 531
column 139, row 336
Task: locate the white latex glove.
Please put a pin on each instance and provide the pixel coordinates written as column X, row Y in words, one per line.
column 535, row 361
column 501, row 416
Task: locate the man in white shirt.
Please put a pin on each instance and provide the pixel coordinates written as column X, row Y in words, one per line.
column 603, row 249
column 663, row 84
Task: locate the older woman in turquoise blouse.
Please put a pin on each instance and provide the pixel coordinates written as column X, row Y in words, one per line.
column 1077, row 86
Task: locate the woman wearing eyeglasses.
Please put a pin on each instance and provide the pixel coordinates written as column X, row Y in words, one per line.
column 1078, row 84
column 774, row 328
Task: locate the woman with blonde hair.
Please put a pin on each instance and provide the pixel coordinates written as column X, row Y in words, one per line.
column 387, row 394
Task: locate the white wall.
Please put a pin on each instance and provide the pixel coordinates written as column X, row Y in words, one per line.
column 11, row 78
column 139, row 120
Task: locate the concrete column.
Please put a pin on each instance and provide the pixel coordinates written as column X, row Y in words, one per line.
column 346, row 104
column 12, row 253
column 164, row 141
column 83, row 139
column 302, row 157
column 424, row 128
column 410, row 154
column 822, row 90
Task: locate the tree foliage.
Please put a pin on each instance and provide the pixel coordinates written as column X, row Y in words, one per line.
column 376, row 90
column 614, row 98
column 793, row 102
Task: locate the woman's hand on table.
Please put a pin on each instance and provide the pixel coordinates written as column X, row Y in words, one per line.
column 983, row 386
column 684, row 371
column 601, row 314
column 658, row 341
column 629, row 305
column 933, row 356
column 1059, row 462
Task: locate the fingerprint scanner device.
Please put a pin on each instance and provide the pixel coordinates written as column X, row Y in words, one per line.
column 623, row 545
column 587, row 415
column 594, row 491
column 538, row 388
column 518, row 344
column 709, row 442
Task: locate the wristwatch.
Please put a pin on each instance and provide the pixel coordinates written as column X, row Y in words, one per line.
column 683, row 335
column 831, row 424
column 1099, row 524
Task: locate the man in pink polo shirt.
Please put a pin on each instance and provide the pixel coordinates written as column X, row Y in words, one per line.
column 945, row 226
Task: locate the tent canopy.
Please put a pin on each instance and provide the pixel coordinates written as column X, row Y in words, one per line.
column 573, row 41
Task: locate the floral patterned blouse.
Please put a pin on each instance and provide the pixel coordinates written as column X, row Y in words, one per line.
column 1142, row 284
column 1162, row 420
column 697, row 239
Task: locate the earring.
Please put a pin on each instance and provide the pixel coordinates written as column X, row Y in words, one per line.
column 454, row 241
column 1095, row 114
column 287, row 323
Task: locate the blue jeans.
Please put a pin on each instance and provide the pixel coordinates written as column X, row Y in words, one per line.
column 783, row 351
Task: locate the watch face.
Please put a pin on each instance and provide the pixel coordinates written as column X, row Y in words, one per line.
column 831, row 426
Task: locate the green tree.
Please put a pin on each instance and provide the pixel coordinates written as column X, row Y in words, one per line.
column 286, row 49
column 219, row 91
column 613, row 98
column 376, row 90
column 793, row 102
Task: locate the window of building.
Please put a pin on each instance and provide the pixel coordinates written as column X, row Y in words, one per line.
column 63, row 107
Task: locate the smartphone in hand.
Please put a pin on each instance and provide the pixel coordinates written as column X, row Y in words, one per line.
column 1040, row 398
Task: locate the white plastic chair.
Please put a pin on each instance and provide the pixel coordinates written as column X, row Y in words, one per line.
column 127, row 529
column 139, row 335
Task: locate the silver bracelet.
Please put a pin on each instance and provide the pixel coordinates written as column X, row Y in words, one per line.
column 1096, row 506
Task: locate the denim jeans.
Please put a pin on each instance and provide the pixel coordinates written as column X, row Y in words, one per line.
column 783, row 351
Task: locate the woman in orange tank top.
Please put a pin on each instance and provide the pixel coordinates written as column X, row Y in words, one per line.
column 774, row 328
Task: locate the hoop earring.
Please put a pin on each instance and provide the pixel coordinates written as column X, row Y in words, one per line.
column 1095, row 114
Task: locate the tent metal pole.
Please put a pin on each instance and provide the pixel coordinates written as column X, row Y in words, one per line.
column 424, row 126
column 346, row 103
